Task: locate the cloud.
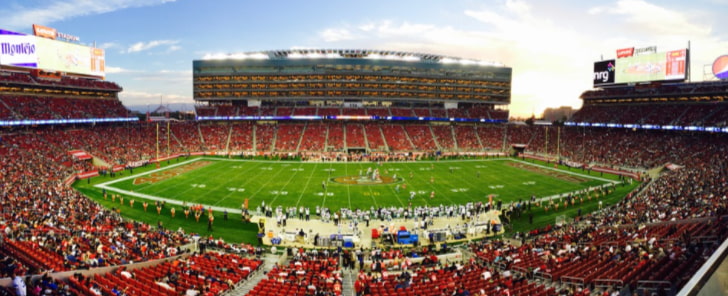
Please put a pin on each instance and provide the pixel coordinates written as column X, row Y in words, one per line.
column 652, row 19
column 117, row 70
column 170, row 76
column 142, row 46
column 336, row 34
column 19, row 16
column 108, row 45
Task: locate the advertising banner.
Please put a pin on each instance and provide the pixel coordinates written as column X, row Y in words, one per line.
column 44, row 32
column 720, row 67
column 604, row 72
column 625, row 52
column 69, row 57
column 676, row 62
column 17, row 49
column 669, row 65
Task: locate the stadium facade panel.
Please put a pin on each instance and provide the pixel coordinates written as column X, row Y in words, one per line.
column 297, row 75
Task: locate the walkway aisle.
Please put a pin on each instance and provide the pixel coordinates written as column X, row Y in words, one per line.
column 348, row 276
column 268, row 261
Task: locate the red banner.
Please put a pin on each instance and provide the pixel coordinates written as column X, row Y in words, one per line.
column 89, row 174
column 45, row 32
column 69, row 180
column 117, row 168
column 625, row 52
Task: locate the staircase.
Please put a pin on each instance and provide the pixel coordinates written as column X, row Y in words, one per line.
column 348, row 277
column 242, row 289
column 366, row 139
column 409, row 140
column 229, row 136
column 346, row 146
column 255, row 144
column 477, row 137
column 454, row 139
column 434, row 137
column 300, row 139
column 381, row 134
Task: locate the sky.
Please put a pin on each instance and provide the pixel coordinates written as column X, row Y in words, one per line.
column 550, row 45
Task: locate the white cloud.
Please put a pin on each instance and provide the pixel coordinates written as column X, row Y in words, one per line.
column 645, row 17
column 142, row 46
column 18, row 16
column 171, row 76
column 117, row 70
column 108, row 45
column 336, row 34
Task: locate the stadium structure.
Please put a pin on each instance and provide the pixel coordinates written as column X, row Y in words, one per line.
column 65, row 125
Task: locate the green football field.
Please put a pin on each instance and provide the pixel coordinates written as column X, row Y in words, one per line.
column 226, row 183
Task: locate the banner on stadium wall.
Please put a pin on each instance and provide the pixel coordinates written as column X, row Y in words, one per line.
column 625, row 52
column 537, row 157
column 69, row 57
column 44, row 32
column 136, row 164
column 572, row 164
column 89, row 174
column 117, row 168
column 80, row 155
column 68, row 181
column 18, row 49
column 616, row 172
column 604, row 72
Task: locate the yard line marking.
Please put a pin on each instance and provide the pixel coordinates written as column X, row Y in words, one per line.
column 326, row 190
column 250, row 168
column 348, row 187
column 306, row 186
column 293, row 176
column 265, row 185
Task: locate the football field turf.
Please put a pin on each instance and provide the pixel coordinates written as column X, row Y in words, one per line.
column 226, row 183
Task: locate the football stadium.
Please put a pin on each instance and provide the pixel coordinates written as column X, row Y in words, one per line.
column 358, row 172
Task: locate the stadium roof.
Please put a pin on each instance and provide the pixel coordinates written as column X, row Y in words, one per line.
column 349, row 53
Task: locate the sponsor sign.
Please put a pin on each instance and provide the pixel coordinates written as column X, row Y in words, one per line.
column 720, row 67
column 645, row 50
column 44, row 32
column 604, row 72
column 17, row 49
column 70, row 58
column 51, row 33
column 669, row 65
column 625, row 52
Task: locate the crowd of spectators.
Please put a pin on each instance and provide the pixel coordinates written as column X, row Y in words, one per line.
column 42, row 217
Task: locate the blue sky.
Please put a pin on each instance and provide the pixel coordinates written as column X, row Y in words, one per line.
column 551, row 45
